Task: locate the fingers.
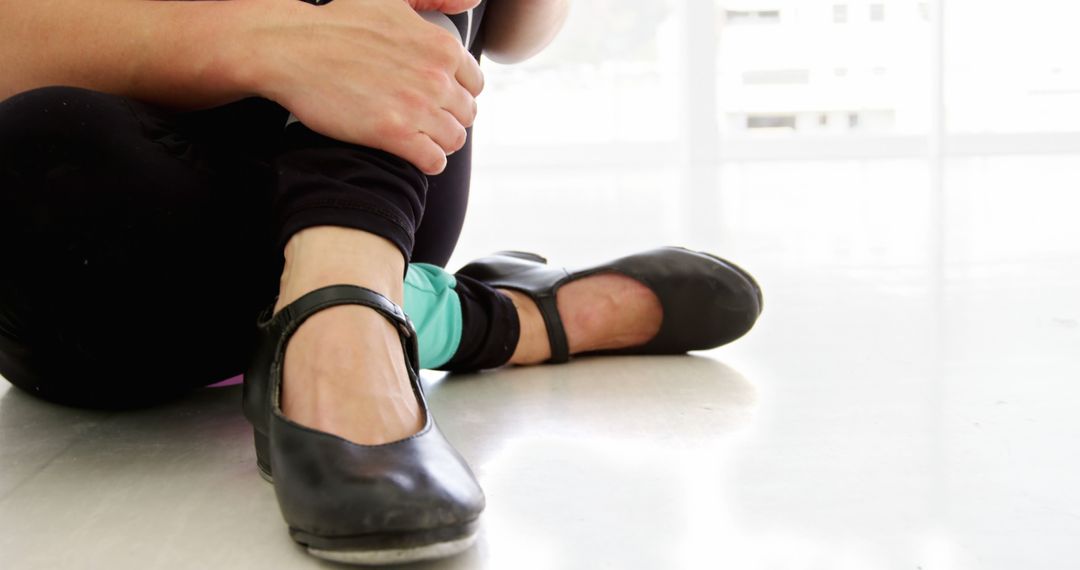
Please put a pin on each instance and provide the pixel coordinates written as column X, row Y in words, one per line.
column 447, row 132
column 426, row 146
column 462, row 105
column 427, row 149
column 458, row 6
column 446, row 128
column 421, row 151
column 469, row 75
column 422, row 85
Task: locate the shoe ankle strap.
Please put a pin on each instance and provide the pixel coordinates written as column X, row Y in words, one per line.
column 295, row 313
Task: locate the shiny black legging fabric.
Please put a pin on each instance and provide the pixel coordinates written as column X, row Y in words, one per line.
column 138, row 244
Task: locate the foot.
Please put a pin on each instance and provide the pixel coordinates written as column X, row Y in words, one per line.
column 344, row 369
column 599, row 312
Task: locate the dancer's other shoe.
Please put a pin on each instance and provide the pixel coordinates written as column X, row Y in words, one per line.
column 706, row 301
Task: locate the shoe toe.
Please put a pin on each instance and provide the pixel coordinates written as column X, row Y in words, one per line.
column 707, row 301
column 734, row 306
column 333, row 488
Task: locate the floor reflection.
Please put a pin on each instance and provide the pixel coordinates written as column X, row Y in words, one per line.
column 637, row 447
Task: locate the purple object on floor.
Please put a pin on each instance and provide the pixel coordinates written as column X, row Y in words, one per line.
column 228, row 382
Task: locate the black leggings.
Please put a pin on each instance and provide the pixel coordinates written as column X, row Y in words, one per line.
column 139, row 244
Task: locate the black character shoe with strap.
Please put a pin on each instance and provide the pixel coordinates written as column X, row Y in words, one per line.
column 411, row 499
column 707, row 301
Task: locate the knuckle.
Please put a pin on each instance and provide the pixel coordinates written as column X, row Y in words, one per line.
column 390, row 126
column 436, row 80
column 412, row 99
column 446, row 48
column 468, row 121
column 460, row 138
column 450, row 43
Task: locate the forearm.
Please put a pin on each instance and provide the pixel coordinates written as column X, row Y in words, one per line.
column 516, row 30
column 180, row 54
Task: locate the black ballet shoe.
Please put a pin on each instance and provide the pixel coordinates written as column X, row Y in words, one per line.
column 706, row 301
column 408, row 500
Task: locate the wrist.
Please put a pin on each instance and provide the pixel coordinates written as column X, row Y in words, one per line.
column 206, row 53
column 240, row 64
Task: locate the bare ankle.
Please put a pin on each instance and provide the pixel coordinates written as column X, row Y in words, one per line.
column 598, row 312
column 344, row 367
column 329, row 255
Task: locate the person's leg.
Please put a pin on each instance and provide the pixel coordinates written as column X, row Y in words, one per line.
column 87, row 172
column 444, row 215
column 462, row 323
column 346, row 214
column 485, row 324
column 326, row 184
column 129, row 237
column 435, row 309
column 331, row 361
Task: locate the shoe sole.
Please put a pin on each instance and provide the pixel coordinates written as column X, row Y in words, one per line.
column 397, row 555
column 266, row 475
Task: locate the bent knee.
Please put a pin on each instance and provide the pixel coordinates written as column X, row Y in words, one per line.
column 57, row 105
column 57, row 124
column 59, row 147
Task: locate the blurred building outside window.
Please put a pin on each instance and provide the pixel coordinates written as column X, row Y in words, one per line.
column 700, row 116
column 621, row 71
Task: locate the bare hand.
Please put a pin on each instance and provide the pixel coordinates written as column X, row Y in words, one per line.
column 369, row 72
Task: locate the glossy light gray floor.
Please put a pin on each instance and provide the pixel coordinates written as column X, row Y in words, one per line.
column 903, row 403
